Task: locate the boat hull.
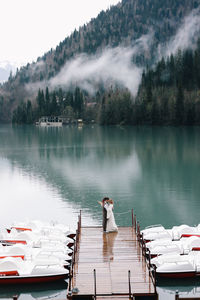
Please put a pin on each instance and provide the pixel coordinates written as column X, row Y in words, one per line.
column 31, row 279
column 178, row 275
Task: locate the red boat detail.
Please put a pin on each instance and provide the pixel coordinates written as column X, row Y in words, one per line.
column 21, row 228
column 196, row 249
column 178, row 275
column 28, row 280
column 21, row 256
column 9, row 273
column 13, row 242
column 186, row 235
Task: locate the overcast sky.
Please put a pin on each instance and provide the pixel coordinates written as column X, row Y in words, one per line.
column 29, row 28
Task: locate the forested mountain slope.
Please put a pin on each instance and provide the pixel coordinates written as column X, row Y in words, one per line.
column 120, row 25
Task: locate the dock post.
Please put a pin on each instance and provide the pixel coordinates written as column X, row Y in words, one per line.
column 70, row 282
column 132, row 217
column 80, row 220
column 155, row 279
column 177, row 295
column 138, row 231
column 135, row 221
column 95, row 285
column 129, row 283
column 143, row 245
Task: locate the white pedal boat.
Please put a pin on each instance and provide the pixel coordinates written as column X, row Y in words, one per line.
column 167, row 258
column 44, row 228
column 164, row 246
column 177, row 266
column 36, row 254
column 17, row 271
column 46, row 245
column 33, row 238
column 159, row 232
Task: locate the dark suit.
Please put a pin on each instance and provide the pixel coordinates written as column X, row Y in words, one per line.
column 104, row 218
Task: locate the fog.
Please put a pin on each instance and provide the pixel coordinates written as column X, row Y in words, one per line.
column 115, row 65
column 110, row 67
column 186, row 36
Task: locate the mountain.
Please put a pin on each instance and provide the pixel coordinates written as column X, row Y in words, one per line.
column 121, row 25
column 6, row 68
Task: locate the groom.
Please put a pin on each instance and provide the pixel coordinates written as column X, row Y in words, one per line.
column 104, row 212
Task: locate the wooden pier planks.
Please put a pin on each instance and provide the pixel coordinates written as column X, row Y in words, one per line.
column 111, row 255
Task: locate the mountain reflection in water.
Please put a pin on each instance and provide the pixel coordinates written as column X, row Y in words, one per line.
column 142, row 168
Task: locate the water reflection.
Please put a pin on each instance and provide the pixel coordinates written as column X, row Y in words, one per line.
column 81, row 165
column 185, row 287
column 26, row 197
column 56, row 290
column 170, row 164
column 153, row 170
column 108, row 245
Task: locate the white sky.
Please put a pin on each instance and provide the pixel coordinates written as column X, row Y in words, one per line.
column 29, row 28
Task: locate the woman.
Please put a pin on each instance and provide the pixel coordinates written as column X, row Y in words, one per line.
column 110, row 225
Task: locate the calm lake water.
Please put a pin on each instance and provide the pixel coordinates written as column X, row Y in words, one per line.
column 53, row 173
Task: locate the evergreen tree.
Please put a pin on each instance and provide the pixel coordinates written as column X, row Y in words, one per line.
column 54, row 106
column 179, row 108
column 47, row 102
column 190, row 113
column 188, row 70
column 61, row 99
column 78, row 102
column 41, row 102
column 155, row 114
column 29, row 112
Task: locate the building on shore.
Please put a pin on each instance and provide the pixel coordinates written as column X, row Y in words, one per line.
column 57, row 121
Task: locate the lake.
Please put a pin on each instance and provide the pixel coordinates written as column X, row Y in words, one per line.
column 53, row 173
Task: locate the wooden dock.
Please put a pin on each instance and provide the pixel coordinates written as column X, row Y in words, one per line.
column 109, row 266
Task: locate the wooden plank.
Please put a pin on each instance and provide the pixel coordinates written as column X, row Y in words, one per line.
column 112, row 255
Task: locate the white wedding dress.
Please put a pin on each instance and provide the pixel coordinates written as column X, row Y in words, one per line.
column 111, row 225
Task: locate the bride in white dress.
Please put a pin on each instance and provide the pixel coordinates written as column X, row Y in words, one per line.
column 111, row 225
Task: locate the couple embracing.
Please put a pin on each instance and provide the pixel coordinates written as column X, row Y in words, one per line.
column 109, row 224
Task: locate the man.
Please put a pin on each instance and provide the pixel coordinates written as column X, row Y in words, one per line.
column 104, row 212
